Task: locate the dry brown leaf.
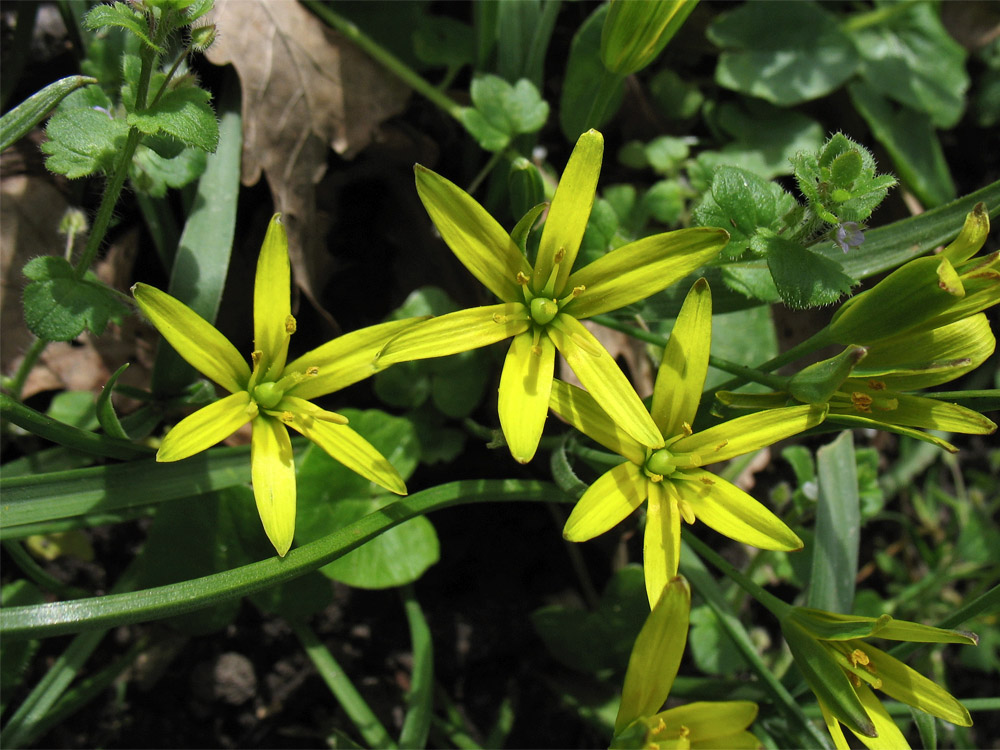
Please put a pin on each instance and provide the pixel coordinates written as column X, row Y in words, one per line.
column 305, row 89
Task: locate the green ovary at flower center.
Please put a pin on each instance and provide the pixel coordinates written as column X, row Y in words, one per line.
column 661, row 463
column 543, row 310
column 267, row 395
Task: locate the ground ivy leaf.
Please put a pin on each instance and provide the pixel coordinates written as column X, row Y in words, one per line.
column 152, row 174
column 787, row 57
column 599, row 640
column 331, row 496
column 120, row 15
column 503, row 111
column 895, row 58
column 803, row 278
column 910, row 139
column 765, row 136
column 84, row 139
column 59, row 307
column 183, row 113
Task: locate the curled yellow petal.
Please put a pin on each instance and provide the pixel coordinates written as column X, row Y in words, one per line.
column 602, row 377
column 272, row 307
column 207, row 426
column 682, row 372
column 607, row 502
column 273, row 474
column 525, row 385
column 352, row 450
column 194, row 338
column 580, row 409
column 731, row 511
column 455, row 332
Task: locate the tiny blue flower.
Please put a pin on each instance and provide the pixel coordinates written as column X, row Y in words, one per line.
column 849, row 235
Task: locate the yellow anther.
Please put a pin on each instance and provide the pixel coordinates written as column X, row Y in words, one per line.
column 654, row 477
column 521, row 278
column 876, row 385
column 498, row 318
column 578, row 290
column 287, row 417
column 289, row 325
column 312, row 372
column 686, row 428
column 706, row 480
column 661, row 725
column 861, row 401
column 559, row 256
column 256, row 356
column 857, row 656
column 683, row 732
column 536, row 350
column 721, row 445
column 855, row 680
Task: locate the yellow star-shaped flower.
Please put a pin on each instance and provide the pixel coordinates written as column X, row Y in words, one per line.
column 273, row 394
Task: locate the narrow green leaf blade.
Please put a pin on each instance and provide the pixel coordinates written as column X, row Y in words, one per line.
column 838, row 528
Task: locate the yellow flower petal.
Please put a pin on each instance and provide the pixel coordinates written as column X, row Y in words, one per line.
column 912, row 688
column 568, row 214
column 749, row 433
column 834, row 728
column 273, row 474
column 710, row 720
column 928, row 357
column 738, row 741
column 889, row 736
column 639, row 269
column 473, row 235
column 681, row 377
column 345, row 360
column 272, row 309
column 731, row 511
column 524, row 393
column 207, row 426
column 455, row 332
column 352, row 450
column 194, row 338
column 929, row 413
column 661, row 543
column 607, row 502
column 656, row 655
column 580, row 409
column 604, row 380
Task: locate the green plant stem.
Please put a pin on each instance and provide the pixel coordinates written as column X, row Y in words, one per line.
column 741, row 371
column 420, row 701
column 816, row 341
column 875, row 17
column 389, row 61
column 86, row 690
column 356, row 708
column 485, row 171
column 105, row 211
column 30, row 567
column 988, row 602
column 102, row 612
column 895, row 708
column 22, row 726
column 24, row 369
column 702, row 581
column 773, row 604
